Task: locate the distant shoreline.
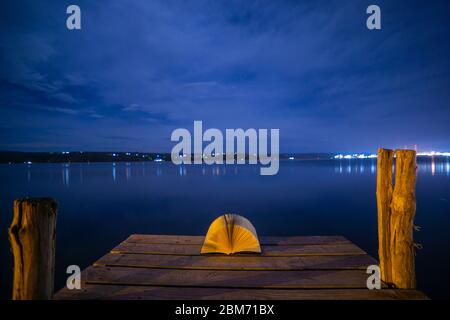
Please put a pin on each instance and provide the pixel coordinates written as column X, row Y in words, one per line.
column 17, row 157
column 79, row 156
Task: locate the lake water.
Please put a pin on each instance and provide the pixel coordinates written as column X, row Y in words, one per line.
column 101, row 204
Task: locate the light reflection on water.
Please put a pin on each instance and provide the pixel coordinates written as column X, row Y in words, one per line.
column 355, row 166
column 65, row 172
column 126, row 171
column 304, row 198
column 430, row 166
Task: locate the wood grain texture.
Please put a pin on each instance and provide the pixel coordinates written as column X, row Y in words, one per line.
column 264, row 240
column 403, row 210
column 267, row 250
column 108, row 292
column 226, row 279
column 32, row 237
column 236, row 262
column 384, row 197
column 396, row 211
column 314, row 268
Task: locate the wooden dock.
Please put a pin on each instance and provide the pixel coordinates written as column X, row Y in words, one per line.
column 171, row 267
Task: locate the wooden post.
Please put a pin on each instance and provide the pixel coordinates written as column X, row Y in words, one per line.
column 384, row 196
column 396, row 211
column 32, row 238
column 403, row 211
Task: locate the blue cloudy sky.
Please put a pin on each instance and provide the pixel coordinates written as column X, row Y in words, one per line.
column 139, row 69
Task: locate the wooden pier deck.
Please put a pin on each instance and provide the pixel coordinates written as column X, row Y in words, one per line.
column 171, row 267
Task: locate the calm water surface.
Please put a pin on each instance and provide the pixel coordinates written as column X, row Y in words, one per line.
column 103, row 203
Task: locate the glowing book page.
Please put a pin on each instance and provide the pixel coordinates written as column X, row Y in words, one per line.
column 231, row 233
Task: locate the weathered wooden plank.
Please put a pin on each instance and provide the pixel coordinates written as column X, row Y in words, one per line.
column 170, row 267
column 264, row 240
column 115, row 292
column 237, row 262
column 268, row 250
column 226, row 279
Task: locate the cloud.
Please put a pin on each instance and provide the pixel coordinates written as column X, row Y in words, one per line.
column 62, row 110
column 132, row 107
column 311, row 69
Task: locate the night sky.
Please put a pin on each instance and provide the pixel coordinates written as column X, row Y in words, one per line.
column 139, row 69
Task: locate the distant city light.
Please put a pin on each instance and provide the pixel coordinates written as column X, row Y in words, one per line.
column 434, row 153
column 355, row 156
column 158, row 160
column 291, row 158
column 372, row 156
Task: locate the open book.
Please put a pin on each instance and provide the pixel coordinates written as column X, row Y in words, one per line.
column 231, row 233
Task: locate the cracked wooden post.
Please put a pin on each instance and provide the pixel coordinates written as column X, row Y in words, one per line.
column 396, row 210
column 403, row 211
column 384, row 196
column 32, row 238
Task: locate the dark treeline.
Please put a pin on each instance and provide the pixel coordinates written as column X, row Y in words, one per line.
column 24, row 157
column 78, row 156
